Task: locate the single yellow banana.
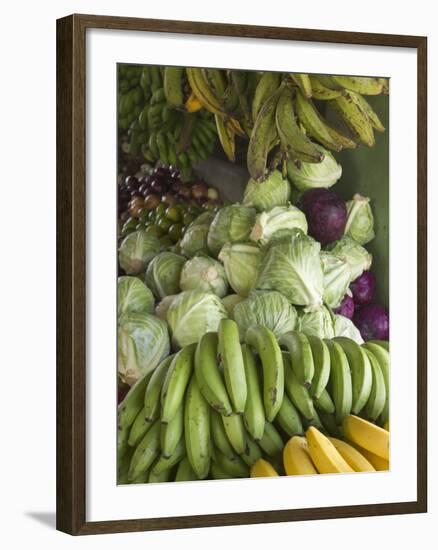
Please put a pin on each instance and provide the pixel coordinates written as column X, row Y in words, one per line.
column 296, row 457
column 379, row 464
column 262, row 468
column 352, row 456
column 367, row 435
column 324, row 454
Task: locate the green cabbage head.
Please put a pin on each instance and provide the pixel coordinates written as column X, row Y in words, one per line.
column 308, row 175
column 193, row 313
column 133, row 296
column 204, row 273
column 357, row 257
column 265, row 308
column 163, row 274
column 241, row 261
column 360, row 220
column 143, row 340
column 277, row 222
column 337, row 278
column 137, row 250
column 292, row 266
column 231, row 224
column 273, row 191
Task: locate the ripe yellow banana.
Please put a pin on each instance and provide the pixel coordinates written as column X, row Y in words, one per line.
column 296, row 457
column 193, row 104
column 379, row 464
column 324, row 454
column 367, row 435
column 262, row 468
column 352, row 456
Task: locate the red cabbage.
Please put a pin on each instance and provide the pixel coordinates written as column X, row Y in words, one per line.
column 373, row 322
column 326, row 214
column 364, row 288
column 346, row 308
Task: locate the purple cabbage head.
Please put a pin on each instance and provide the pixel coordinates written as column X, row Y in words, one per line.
column 364, row 288
column 373, row 322
column 346, row 308
column 326, row 214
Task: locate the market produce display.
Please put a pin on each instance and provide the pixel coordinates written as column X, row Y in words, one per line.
column 250, row 342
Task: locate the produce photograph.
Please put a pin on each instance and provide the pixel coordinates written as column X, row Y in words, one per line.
column 253, row 274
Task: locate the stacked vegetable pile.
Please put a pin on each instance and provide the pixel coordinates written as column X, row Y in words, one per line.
column 222, row 383
column 219, row 409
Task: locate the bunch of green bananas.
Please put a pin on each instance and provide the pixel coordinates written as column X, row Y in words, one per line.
column 130, row 95
column 169, row 126
column 287, row 122
column 215, row 408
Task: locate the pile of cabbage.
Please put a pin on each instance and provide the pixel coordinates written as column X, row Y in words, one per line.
column 256, row 262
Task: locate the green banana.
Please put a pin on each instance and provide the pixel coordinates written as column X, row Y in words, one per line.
column 185, row 471
column 226, row 137
column 377, row 398
column 267, row 85
column 361, row 375
column 288, row 418
column 303, row 82
column 297, row 393
column 175, row 382
column 360, row 84
column 324, row 403
column 235, row 431
column 265, row 343
column 146, row 452
column 219, row 435
column 382, row 343
column 320, row 90
column 218, row 473
column 162, row 477
column 358, row 123
column 262, row 138
column 231, row 358
column 203, row 91
column 162, row 147
column 330, row 425
column 382, row 356
column 254, row 413
column 235, row 467
column 301, row 356
column 368, row 111
column 252, row 453
column 123, row 463
column 172, row 432
column 173, row 86
column 138, row 429
column 208, row 375
column 128, row 410
column 153, row 390
column 271, row 442
column 340, row 380
column 217, row 81
column 165, row 463
column 197, row 429
column 295, row 144
column 321, row 362
column 314, row 124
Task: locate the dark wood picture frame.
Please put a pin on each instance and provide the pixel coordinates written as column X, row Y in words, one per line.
column 71, row 269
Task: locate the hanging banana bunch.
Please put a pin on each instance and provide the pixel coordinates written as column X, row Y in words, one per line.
column 287, row 123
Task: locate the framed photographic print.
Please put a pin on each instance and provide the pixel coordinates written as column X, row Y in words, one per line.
column 241, row 274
